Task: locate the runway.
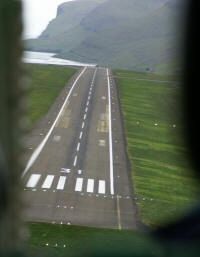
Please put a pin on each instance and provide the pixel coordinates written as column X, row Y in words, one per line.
column 79, row 173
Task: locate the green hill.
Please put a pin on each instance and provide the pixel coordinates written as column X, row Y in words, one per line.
column 127, row 34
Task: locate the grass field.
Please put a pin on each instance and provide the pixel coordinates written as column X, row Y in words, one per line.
column 161, row 172
column 48, row 240
column 46, row 83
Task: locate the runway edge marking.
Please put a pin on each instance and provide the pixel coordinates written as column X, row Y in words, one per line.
column 110, row 138
column 38, row 150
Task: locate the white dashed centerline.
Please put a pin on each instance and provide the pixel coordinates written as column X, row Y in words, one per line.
column 78, row 147
column 83, row 125
column 81, row 135
column 75, row 160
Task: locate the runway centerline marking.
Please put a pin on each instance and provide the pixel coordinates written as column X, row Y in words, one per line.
column 83, row 125
column 110, row 137
column 87, row 103
column 85, row 116
column 78, row 147
column 38, row 150
column 81, row 135
column 86, row 109
column 75, row 160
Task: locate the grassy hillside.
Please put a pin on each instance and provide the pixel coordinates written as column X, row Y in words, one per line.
column 46, row 83
column 129, row 34
column 154, row 121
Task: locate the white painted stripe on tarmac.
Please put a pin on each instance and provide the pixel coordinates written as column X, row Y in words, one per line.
column 48, row 181
column 81, row 135
column 33, row 180
column 75, row 160
column 102, row 187
column 78, row 147
column 90, row 186
column 83, row 125
column 110, row 138
column 86, row 109
column 38, row 150
column 79, row 185
column 85, row 116
column 61, row 182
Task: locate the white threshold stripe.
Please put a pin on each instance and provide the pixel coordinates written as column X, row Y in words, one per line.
column 38, row 150
column 90, row 186
column 78, row 147
column 102, row 187
column 79, row 184
column 75, row 160
column 33, row 180
column 48, row 181
column 61, row 182
column 110, row 137
column 81, row 135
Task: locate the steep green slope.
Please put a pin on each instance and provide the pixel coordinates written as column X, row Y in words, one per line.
column 127, row 34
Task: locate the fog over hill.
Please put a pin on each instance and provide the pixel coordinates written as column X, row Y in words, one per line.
column 131, row 34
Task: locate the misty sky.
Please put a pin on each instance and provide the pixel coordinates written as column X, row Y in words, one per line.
column 37, row 14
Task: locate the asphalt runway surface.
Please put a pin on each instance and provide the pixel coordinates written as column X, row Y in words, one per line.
column 79, row 174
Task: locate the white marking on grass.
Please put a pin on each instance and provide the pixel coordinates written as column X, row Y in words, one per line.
column 38, row 150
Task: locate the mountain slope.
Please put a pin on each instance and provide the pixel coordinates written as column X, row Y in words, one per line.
column 123, row 34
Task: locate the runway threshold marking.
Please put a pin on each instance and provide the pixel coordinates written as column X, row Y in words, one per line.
column 102, row 187
column 90, row 186
column 48, row 182
column 79, row 184
column 61, row 183
column 110, row 137
column 38, row 150
column 34, row 179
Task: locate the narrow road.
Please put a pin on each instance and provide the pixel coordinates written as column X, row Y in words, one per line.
column 79, row 174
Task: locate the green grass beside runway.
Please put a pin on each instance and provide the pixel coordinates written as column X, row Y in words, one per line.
column 162, row 175
column 48, row 240
column 47, row 81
